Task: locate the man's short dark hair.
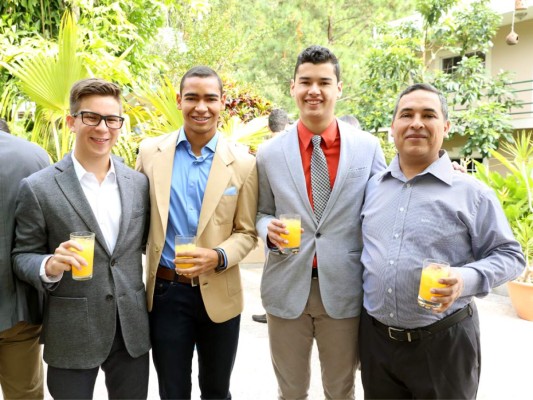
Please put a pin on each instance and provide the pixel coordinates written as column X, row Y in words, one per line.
column 3, row 126
column 318, row 55
column 92, row 87
column 428, row 88
column 278, row 120
column 200, row 71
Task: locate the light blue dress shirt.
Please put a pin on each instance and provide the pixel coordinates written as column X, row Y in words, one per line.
column 441, row 214
column 189, row 179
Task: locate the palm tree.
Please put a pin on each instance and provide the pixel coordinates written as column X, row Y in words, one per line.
column 46, row 80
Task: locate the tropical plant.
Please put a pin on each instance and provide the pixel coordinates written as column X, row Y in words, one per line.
column 515, row 191
column 45, row 77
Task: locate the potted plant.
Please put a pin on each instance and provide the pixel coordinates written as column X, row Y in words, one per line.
column 515, row 192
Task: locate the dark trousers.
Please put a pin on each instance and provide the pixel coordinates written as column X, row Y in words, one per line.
column 445, row 365
column 125, row 377
column 178, row 324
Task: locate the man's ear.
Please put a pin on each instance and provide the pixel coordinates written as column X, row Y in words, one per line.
column 292, row 88
column 447, row 126
column 70, row 121
column 178, row 101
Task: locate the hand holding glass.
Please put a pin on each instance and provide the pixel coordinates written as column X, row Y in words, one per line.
column 432, row 271
column 86, row 241
column 293, row 224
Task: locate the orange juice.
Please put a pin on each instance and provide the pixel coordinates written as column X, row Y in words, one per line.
column 86, row 240
column 184, row 247
column 431, row 273
column 293, row 224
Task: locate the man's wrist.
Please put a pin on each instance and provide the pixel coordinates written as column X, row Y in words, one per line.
column 221, row 262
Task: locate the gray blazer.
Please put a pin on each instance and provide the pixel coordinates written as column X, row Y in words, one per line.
column 18, row 300
column 80, row 316
column 336, row 240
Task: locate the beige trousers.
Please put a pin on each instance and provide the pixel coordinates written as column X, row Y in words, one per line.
column 21, row 366
column 291, row 342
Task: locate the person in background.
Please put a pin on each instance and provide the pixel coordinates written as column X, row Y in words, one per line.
column 202, row 186
column 278, row 121
column 420, row 208
column 21, row 367
column 350, row 119
column 319, row 169
column 101, row 322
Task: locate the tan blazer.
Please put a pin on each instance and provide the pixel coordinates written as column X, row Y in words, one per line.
column 227, row 218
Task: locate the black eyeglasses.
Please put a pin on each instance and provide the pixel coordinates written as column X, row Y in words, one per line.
column 94, row 119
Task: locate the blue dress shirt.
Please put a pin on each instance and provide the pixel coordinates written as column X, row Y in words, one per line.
column 189, row 179
column 441, row 214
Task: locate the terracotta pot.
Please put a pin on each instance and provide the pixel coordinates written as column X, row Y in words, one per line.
column 521, row 295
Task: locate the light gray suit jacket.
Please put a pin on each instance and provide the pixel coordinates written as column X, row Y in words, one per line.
column 336, row 240
column 18, row 300
column 80, row 316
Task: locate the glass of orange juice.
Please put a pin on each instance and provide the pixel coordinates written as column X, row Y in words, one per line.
column 293, row 224
column 86, row 240
column 184, row 243
column 432, row 271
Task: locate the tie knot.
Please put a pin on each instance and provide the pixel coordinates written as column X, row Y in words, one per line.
column 316, row 140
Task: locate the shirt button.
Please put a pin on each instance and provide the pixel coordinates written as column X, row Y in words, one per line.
column 408, row 185
column 401, row 209
column 389, row 290
column 391, row 315
column 391, row 262
column 396, row 236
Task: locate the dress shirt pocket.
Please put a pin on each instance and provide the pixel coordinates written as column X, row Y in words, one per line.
column 67, row 326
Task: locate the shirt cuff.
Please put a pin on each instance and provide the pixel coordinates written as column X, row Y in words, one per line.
column 44, row 277
column 224, row 256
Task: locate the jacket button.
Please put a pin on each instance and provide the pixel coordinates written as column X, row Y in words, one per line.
column 318, row 234
column 109, row 297
column 113, row 262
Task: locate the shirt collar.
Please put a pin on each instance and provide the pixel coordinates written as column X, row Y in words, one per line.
column 211, row 145
column 328, row 136
column 441, row 169
column 81, row 172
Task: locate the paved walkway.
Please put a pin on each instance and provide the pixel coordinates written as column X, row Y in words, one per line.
column 506, row 341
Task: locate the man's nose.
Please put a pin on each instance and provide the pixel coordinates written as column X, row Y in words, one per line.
column 417, row 122
column 314, row 89
column 201, row 106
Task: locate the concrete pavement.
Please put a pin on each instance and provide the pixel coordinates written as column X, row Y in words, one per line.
column 506, row 359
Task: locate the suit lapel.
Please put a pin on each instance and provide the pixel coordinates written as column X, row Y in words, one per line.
column 347, row 153
column 291, row 151
column 125, row 188
column 70, row 186
column 162, row 174
column 219, row 177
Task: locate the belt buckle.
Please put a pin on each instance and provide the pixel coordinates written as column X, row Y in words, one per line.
column 391, row 330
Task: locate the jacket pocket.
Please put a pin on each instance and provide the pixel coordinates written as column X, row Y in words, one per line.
column 67, row 326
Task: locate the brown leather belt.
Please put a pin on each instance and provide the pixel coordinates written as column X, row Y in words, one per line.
column 170, row 275
column 410, row 335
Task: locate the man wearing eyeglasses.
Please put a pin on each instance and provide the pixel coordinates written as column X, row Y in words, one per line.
column 101, row 322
